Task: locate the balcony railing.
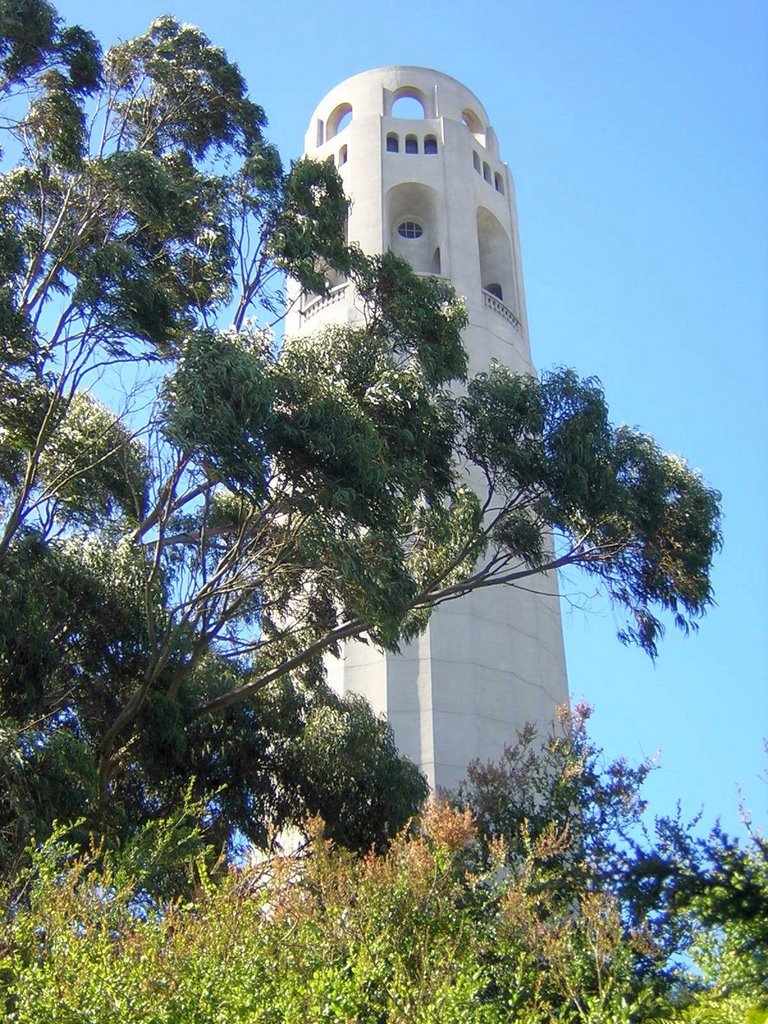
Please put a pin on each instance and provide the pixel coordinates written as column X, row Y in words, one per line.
column 337, row 292
column 333, row 296
column 503, row 310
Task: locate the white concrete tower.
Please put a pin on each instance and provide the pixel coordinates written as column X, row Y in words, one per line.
column 434, row 190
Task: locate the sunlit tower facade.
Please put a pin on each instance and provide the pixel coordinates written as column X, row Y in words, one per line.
column 433, row 189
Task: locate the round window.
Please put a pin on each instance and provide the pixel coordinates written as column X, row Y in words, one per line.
column 410, row 229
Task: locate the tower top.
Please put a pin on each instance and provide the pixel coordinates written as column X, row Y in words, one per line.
column 376, row 93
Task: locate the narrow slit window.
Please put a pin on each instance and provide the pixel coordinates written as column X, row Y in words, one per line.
column 476, row 162
column 342, row 155
column 487, row 173
column 499, row 183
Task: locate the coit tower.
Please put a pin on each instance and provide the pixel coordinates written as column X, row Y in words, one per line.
column 420, row 164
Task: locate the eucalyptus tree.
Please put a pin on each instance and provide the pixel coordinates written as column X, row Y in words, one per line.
column 191, row 513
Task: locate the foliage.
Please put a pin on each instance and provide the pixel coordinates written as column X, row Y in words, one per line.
column 191, row 513
column 684, row 897
column 561, row 782
column 560, row 779
column 421, row 933
column 295, row 750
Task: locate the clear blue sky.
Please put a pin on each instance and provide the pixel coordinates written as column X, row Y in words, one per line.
column 637, row 133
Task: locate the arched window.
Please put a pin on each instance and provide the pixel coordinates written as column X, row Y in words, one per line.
column 476, row 162
column 329, row 160
column 436, row 263
column 409, row 104
column 338, row 120
column 495, row 289
column 342, row 155
column 499, row 182
column 487, row 173
column 320, row 127
column 411, row 144
column 430, row 144
column 393, row 143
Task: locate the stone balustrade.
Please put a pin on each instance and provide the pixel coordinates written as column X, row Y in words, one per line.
column 503, row 310
column 334, row 295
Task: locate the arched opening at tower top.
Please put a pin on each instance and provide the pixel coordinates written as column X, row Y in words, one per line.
column 408, row 101
column 338, row 121
column 473, row 122
column 409, row 106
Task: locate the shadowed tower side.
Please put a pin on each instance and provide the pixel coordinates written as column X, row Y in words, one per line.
column 433, row 189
